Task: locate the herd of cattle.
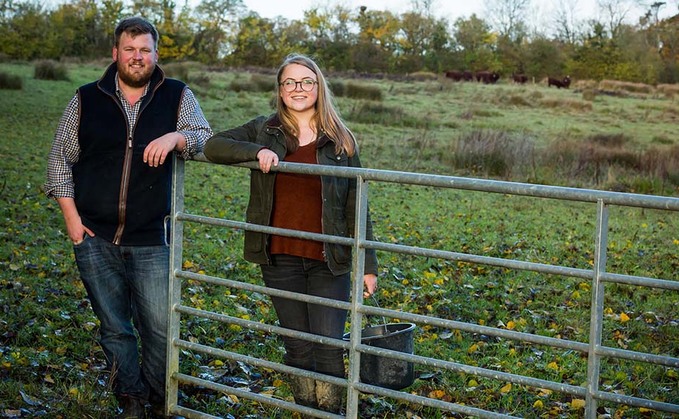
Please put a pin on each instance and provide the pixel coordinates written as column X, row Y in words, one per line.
column 491, row 77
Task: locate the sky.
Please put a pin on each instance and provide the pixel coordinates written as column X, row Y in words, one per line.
column 450, row 9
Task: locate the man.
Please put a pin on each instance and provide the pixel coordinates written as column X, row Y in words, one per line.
column 110, row 171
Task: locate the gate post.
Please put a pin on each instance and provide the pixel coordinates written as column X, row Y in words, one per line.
column 357, row 295
column 596, row 310
column 174, row 294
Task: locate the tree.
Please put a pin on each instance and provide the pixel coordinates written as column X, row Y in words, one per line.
column 216, row 28
column 22, row 37
column 73, row 30
column 565, row 21
column 330, row 35
column 614, row 12
column 508, row 17
column 377, row 41
column 475, row 43
column 176, row 36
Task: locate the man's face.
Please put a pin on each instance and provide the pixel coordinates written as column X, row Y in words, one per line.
column 136, row 58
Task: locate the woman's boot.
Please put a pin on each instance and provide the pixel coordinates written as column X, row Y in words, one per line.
column 304, row 391
column 329, row 396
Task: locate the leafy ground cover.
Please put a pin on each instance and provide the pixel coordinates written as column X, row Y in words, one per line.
column 51, row 366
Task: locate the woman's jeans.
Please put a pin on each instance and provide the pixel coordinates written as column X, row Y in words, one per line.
column 127, row 284
column 313, row 277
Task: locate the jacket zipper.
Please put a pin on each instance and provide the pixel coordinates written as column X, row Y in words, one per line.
column 124, row 188
column 127, row 167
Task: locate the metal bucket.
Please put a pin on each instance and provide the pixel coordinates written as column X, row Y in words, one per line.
column 383, row 371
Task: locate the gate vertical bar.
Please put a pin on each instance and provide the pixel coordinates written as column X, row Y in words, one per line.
column 357, row 295
column 174, row 294
column 596, row 310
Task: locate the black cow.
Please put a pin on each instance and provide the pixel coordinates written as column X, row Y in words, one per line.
column 520, row 78
column 487, row 77
column 559, row 83
column 455, row 75
column 460, row 75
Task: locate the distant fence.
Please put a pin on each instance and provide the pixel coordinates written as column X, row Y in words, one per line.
column 595, row 351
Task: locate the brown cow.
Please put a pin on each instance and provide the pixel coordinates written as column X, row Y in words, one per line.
column 460, row 75
column 559, row 83
column 520, row 78
column 455, row 75
column 487, row 77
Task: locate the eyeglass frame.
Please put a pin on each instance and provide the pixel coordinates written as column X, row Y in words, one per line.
column 304, row 82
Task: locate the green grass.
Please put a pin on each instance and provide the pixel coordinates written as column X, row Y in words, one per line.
column 50, row 362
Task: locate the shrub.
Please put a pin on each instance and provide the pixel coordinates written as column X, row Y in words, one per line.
column 257, row 83
column 493, row 153
column 179, row 71
column 10, row 81
column 202, row 80
column 668, row 90
column 362, row 91
column 50, row 70
column 616, row 86
column 423, row 76
column 576, row 105
column 338, row 88
column 376, row 113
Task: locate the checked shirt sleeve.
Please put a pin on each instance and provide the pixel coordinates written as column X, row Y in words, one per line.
column 64, row 153
column 192, row 125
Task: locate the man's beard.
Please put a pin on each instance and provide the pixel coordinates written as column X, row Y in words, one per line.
column 134, row 79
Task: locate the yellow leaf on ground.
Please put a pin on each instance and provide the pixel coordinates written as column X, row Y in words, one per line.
column 473, row 348
column 553, row 366
column 511, row 325
column 437, row 394
column 538, row 404
column 506, row 389
column 624, row 317
column 578, row 404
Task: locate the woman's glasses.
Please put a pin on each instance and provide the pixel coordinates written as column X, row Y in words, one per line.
column 290, row 85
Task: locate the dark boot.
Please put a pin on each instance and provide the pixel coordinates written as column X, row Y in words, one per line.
column 304, row 391
column 329, row 396
column 132, row 407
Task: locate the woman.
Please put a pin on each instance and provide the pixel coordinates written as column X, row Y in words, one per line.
column 306, row 128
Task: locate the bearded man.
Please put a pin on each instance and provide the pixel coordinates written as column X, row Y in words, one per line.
column 110, row 170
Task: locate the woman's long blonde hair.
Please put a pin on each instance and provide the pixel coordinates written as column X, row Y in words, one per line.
column 326, row 119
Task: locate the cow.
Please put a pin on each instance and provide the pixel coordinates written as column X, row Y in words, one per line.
column 520, row 78
column 559, row 83
column 455, row 75
column 460, row 75
column 487, row 77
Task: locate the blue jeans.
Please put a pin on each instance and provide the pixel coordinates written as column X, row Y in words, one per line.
column 128, row 288
column 313, row 277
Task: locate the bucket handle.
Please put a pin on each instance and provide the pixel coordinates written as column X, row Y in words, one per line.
column 384, row 320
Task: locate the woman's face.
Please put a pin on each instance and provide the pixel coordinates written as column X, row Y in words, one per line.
column 298, row 87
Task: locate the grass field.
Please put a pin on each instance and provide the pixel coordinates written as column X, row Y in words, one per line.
column 51, row 365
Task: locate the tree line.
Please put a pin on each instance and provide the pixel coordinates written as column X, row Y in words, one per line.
column 361, row 40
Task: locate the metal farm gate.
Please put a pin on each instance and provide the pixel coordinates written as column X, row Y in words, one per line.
column 593, row 351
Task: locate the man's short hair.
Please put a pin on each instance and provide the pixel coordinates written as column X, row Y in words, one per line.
column 135, row 26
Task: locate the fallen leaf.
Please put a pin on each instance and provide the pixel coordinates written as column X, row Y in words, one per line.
column 578, row 404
